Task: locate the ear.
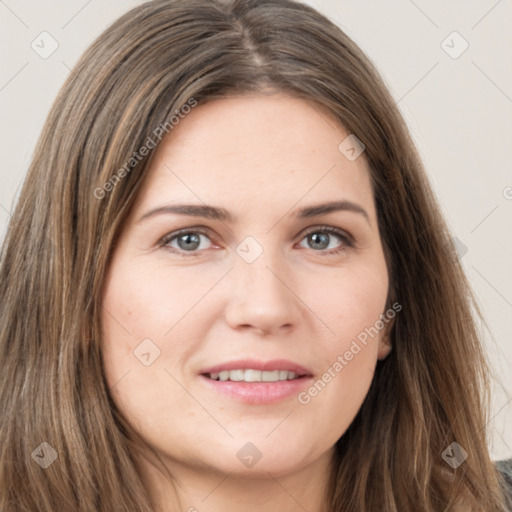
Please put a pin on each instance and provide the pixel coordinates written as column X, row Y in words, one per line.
column 385, row 345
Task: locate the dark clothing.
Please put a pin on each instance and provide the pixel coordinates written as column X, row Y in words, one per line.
column 505, row 468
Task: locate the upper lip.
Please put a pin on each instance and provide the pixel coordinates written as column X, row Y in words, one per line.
column 252, row 364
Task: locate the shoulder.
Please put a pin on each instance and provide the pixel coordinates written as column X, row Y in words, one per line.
column 505, row 468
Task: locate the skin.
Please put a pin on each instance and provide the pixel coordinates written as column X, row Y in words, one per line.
column 262, row 158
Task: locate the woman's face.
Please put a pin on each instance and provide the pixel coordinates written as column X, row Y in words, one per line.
column 265, row 282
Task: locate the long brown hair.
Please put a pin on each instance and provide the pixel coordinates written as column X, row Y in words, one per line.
column 431, row 391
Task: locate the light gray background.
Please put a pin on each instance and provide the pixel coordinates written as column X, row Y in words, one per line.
column 459, row 111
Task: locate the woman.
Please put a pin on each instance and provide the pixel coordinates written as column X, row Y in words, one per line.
column 227, row 284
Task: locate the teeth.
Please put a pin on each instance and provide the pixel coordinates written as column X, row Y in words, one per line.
column 253, row 375
column 236, row 375
column 283, row 375
column 270, row 376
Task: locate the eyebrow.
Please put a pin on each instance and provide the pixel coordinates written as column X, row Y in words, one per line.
column 216, row 213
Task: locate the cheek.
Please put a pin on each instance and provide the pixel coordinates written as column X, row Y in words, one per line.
column 138, row 309
column 148, row 320
column 351, row 305
column 148, row 304
column 145, row 302
column 334, row 399
column 350, row 301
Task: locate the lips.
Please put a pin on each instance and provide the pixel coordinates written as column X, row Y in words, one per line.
column 250, row 381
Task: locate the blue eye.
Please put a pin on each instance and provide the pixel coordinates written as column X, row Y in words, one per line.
column 187, row 242
column 320, row 238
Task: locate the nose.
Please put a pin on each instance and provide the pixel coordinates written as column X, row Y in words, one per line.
column 261, row 297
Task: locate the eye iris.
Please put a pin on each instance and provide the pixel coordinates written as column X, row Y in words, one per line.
column 321, row 239
column 189, row 238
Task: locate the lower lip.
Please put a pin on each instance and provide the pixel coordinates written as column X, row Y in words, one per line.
column 258, row 392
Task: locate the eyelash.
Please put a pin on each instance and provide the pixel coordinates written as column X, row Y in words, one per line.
column 347, row 240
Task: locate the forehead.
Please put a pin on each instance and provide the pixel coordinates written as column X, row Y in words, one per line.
column 265, row 151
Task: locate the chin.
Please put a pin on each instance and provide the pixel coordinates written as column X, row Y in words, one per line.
column 259, row 457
